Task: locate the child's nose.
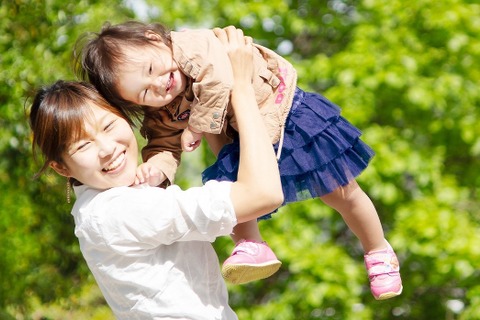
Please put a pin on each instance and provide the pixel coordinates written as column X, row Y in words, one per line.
column 157, row 84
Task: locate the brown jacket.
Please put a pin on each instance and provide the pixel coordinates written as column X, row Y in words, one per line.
column 205, row 104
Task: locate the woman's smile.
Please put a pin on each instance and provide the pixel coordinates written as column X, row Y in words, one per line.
column 116, row 163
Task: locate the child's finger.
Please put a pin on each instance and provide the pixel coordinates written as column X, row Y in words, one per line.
column 136, row 182
column 142, row 174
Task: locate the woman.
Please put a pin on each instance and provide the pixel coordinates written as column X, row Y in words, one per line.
column 149, row 248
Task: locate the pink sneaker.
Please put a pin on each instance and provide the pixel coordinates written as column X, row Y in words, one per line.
column 250, row 261
column 383, row 272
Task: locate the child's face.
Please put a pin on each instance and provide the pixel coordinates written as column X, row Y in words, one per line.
column 150, row 77
column 107, row 154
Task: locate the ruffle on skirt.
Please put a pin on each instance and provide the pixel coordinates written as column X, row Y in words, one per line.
column 321, row 151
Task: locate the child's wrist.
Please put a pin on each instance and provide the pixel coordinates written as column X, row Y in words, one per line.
column 192, row 129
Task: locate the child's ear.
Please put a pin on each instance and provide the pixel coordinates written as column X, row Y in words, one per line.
column 60, row 169
column 152, row 36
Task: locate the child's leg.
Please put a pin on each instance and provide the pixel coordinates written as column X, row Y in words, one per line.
column 359, row 214
column 247, row 230
column 361, row 217
column 252, row 259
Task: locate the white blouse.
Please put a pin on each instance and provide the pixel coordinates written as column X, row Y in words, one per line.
column 150, row 252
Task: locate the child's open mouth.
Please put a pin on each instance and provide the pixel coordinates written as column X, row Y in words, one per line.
column 170, row 83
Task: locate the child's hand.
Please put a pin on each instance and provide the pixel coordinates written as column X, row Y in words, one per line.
column 190, row 139
column 147, row 172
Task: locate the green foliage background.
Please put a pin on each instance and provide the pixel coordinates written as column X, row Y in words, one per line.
column 405, row 72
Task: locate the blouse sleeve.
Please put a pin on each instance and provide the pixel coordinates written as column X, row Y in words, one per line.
column 131, row 220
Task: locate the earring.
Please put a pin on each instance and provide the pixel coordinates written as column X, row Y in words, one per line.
column 69, row 190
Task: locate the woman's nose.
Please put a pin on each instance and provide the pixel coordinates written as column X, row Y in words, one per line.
column 106, row 147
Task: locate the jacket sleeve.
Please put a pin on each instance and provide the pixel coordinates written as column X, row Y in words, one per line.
column 163, row 140
column 202, row 57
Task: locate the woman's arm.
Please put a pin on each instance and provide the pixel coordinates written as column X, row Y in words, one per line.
column 258, row 190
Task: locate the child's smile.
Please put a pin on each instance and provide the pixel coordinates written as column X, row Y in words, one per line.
column 151, row 78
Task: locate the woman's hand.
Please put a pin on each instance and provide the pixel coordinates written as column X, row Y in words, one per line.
column 240, row 51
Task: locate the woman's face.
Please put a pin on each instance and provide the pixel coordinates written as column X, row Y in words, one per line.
column 106, row 156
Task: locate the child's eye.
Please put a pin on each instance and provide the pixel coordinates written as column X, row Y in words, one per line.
column 150, row 69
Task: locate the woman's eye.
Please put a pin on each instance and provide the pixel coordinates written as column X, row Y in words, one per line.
column 84, row 145
column 78, row 147
column 109, row 125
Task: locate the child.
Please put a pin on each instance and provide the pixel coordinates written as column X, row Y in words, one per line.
column 182, row 80
column 149, row 248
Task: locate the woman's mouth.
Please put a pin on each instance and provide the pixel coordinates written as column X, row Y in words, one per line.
column 115, row 163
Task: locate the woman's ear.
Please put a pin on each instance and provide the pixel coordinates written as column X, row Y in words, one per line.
column 60, row 169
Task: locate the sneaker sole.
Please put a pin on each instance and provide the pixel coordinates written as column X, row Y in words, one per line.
column 388, row 295
column 243, row 273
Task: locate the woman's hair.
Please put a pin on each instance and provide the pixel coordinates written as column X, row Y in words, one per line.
column 57, row 117
column 98, row 57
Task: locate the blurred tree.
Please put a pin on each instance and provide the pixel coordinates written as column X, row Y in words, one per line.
column 404, row 72
column 40, row 254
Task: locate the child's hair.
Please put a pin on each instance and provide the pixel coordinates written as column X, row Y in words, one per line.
column 98, row 56
column 57, row 117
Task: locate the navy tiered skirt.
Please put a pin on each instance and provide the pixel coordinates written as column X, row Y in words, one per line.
column 321, row 151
